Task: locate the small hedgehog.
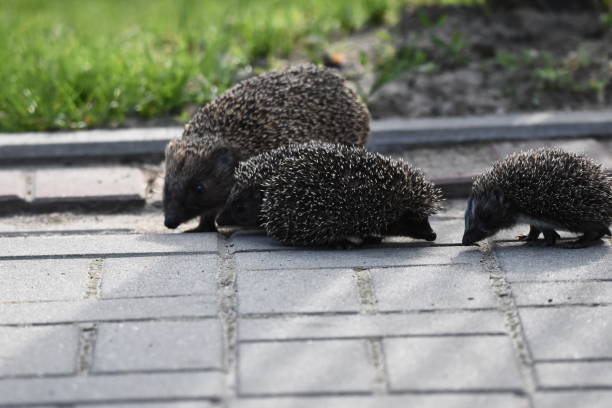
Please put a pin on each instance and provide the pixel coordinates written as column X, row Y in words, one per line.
column 549, row 189
column 327, row 194
column 294, row 105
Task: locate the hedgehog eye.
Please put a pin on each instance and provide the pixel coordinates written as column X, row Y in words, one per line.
column 198, row 188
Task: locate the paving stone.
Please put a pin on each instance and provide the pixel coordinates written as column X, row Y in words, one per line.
column 304, row 367
column 588, row 147
column 457, row 160
column 107, row 244
column 159, row 276
column 575, row 374
column 433, row 287
column 287, row 291
column 37, row 350
column 105, row 388
column 361, row 325
column 105, row 310
column 386, row 401
column 451, row 363
column 142, row 346
column 89, row 183
column 297, row 259
column 544, row 263
column 551, row 293
column 568, row 332
column 12, row 188
column 573, row 399
column 43, row 280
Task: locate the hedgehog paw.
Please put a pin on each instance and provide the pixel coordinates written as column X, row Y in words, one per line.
column 533, row 235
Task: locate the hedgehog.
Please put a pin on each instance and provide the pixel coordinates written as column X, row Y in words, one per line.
column 293, row 105
column 550, row 190
column 328, row 194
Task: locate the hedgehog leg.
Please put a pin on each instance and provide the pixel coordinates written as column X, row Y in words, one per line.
column 372, row 240
column 551, row 236
column 534, row 234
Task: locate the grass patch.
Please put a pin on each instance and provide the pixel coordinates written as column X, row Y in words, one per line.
column 69, row 64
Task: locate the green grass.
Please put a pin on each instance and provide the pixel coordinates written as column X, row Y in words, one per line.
column 69, row 64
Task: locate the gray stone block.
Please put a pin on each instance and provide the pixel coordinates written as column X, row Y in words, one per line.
column 38, row 350
column 543, row 263
column 310, row 327
column 287, row 291
column 105, row 388
column 575, row 374
column 159, row 276
column 43, row 280
column 12, row 191
column 107, row 244
column 433, row 287
column 568, row 332
column 452, row 363
column 387, row 401
column 573, row 399
column 142, row 346
column 552, row 293
column 93, row 310
column 414, row 255
column 304, row 367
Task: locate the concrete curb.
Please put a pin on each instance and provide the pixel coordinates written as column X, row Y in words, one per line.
column 149, row 143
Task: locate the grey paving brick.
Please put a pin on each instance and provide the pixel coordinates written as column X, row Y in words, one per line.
column 304, row 367
column 37, row 350
column 39, row 280
column 105, row 388
column 107, row 244
column 460, row 160
column 543, row 263
column 287, row 291
column 86, row 183
column 575, row 374
column 573, row 399
column 159, row 276
column 371, row 325
column 433, row 287
column 568, row 332
column 296, row 259
column 142, row 346
column 451, row 363
column 551, row 293
column 12, row 186
column 399, row 401
column 104, row 310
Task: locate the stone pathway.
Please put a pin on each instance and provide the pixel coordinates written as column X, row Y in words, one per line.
column 119, row 318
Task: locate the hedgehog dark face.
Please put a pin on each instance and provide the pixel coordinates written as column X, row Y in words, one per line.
column 412, row 226
column 196, row 182
column 486, row 215
column 242, row 208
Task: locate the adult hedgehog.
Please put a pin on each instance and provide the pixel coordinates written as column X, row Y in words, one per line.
column 289, row 106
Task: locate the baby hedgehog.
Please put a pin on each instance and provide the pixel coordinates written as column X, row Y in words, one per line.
column 294, row 105
column 549, row 189
column 326, row 194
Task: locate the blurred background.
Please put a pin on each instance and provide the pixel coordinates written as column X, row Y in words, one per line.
column 71, row 64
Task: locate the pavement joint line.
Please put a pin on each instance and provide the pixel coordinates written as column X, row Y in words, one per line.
column 94, row 274
column 573, row 360
column 73, row 403
column 367, row 296
column 87, row 342
column 584, row 280
column 157, row 371
column 577, row 388
column 123, row 320
column 424, row 391
column 195, row 294
column 564, row 305
column 512, row 320
column 103, row 255
column 29, row 176
column 314, row 268
column 314, row 394
column 372, row 337
column 356, row 313
column 227, row 294
column 33, row 234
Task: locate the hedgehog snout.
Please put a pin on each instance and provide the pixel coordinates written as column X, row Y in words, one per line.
column 172, row 221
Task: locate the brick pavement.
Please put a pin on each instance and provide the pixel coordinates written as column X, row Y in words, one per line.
column 125, row 319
